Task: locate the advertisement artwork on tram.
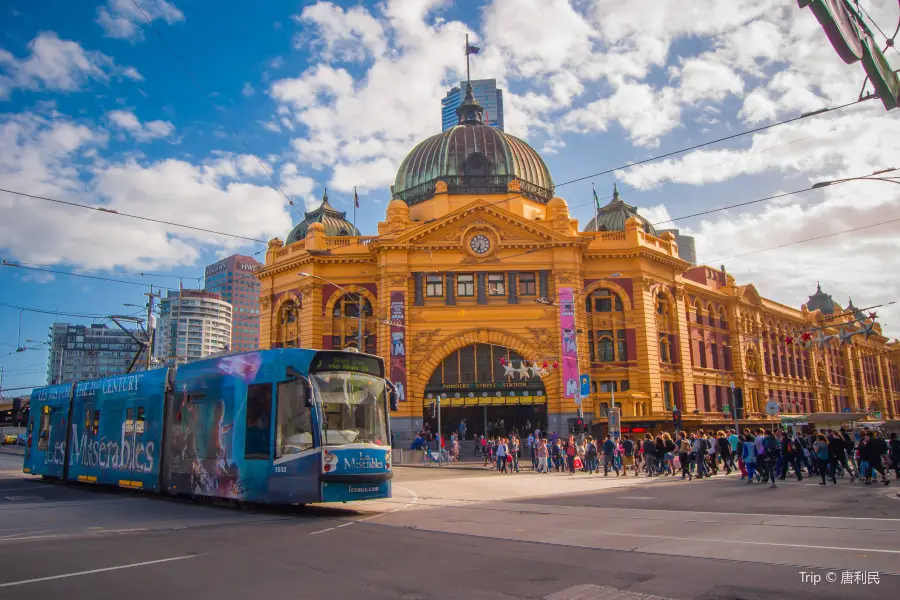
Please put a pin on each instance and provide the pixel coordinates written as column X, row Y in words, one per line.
column 116, row 430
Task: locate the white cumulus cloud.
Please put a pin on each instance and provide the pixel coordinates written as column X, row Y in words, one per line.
column 122, row 19
column 143, row 132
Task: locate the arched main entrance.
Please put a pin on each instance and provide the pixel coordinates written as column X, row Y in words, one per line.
column 490, row 388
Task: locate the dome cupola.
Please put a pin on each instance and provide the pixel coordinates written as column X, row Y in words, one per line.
column 822, row 302
column 612, row 217
column 472, row 158
column 334, row 221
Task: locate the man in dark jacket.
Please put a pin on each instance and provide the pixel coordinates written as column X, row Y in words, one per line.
column 773, row 454
column 871, row 452
column 894, row 448
column 837, row 454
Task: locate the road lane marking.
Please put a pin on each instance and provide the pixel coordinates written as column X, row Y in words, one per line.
column 323, row 531
column 16, row 535
column 92, row 571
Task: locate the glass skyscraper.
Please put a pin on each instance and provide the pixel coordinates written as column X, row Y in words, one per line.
column 487, row 94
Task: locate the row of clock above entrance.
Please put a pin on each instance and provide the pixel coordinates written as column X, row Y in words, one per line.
column 514, row 286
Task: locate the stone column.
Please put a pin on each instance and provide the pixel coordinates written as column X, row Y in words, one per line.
column 646, row 378
column 684, row 354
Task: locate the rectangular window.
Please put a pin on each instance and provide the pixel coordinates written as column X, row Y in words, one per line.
column 667, row 395
column 603, row 305
column 527, row 284
column 624, row 385
column 622, row 349
column 608, row 386
column 44, row 434
column 294, row 433
column 715, row 356
column 96, row 422
column 434, row 286
column 465, row 285
column 706, row 405
column 139, row 423
column 496, row 284
column 701, row 353
column 258, row 434
column 129, row 420
column 591, row 346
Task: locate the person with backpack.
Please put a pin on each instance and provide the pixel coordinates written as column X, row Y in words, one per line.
column 649, row 455
column 748, row 456
column 684, row 455
column 700, row 450
column 608, row 449
column 822, row 452
column 571, row 452
column 773, row 453
column 724, row 448
column 838, row 449
column 628, row 455
column 849, row 448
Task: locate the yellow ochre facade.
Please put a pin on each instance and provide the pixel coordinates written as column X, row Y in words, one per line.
column 465, row 293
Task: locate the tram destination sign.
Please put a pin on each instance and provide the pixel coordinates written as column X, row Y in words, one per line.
column 347, row 361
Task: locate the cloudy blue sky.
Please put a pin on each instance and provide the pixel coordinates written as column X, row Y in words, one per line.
column 94, row 109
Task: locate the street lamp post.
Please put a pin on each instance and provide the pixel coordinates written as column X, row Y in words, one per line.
column 872, row 177
column 359, row 302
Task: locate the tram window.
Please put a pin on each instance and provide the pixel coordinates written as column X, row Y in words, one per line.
column 129, row 420
column 96, row 422
column 44, row 434
column 258, row 434
column 294, row 426
column 139, row 424
column 88, row 408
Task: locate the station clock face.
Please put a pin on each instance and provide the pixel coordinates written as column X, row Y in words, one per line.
column 480, row 244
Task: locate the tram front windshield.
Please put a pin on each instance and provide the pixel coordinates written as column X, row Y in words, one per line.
column 353, row 408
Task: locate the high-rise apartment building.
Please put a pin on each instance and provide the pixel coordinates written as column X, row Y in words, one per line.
column 192, row 325
column 233, row 279
column 80, row 352
column 486, row 93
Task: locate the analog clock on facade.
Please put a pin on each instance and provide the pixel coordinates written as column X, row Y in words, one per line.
column 480, row 244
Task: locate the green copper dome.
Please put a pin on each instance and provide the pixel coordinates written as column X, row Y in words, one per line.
column 823, row 302
column 335, row 222
column 472, row 158
column 612, row 217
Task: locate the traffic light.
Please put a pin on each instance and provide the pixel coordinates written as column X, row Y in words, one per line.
column 576, row 426
column 676, row 419
column 738, row 403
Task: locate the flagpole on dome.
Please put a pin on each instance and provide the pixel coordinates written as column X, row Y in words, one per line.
column 468, row 74
column 355, row 206
column 596, row 209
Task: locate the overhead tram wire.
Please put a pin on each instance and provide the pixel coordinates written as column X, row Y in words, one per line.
column 130, row 216
column 654, row 158
column 812, row 239
column 215, row 106
column 725, row 162
column 112, row 271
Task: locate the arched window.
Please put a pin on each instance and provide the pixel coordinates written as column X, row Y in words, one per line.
column 345, row 323
column 603, row 301
column 606, row 322
column 287, row 334
column 723, row 318
column 698, row 317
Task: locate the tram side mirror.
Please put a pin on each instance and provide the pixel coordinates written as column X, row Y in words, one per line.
column 293, row 375
column 393, row 396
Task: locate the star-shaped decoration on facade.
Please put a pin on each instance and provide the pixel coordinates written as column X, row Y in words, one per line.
column 508, row 369
column 846, row 336
column 821, row 339
column 866, row 330
column 873, row 315
column 523, row 370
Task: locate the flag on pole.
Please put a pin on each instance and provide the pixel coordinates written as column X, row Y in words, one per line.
column 355, row 198
column 472, row 49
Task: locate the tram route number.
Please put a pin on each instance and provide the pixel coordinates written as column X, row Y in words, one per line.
column 281, row 469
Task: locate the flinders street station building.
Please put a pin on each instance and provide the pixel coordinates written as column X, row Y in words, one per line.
column 482, row 291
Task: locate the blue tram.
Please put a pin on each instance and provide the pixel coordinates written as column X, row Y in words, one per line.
column 281, row 426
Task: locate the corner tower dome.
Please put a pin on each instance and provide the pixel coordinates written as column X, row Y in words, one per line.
column 472, row 158
column 335, row 222
column 612, row 217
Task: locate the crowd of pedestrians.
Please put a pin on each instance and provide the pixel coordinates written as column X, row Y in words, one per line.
column 759, row 455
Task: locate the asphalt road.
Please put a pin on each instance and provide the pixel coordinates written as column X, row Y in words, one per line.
column 452, row 535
